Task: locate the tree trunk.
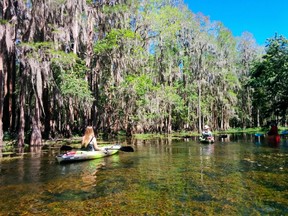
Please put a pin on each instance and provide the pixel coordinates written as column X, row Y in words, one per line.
column 258, row 118
column 21, row 129
column 9, row 102
column 47, row 109
column 199, row 107
column 169, row 122
column 222, row 118
column 1, row 97
column 36, row 137
column 94, row 87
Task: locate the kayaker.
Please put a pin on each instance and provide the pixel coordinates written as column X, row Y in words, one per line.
column 89, row 141
column 274, row 129
column 207, row 134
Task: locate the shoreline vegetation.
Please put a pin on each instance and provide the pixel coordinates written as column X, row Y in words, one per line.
column 9, row 147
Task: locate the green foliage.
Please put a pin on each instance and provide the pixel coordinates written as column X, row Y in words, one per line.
column 142, row 84
column 138, row 87
column 166, row 21
column 3, row 22
column 117, row 8
column 89, row 2
column 69, row 73
column 112, row 40
column 62, row 58
column 59, row 2
column 9, row 147
column 152, row 101
column 225, row 39
column 38, row 45
column 37, row 50
column 270, row 78
column 68, row 69
column 72, row 86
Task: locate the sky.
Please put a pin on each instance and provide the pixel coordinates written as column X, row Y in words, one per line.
column 262, row 18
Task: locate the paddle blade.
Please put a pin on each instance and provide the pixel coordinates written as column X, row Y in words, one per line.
column 126, row 149
column 65, row 148
column 223, row 135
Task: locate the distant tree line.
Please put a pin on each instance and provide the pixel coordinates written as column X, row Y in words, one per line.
column 132, row 66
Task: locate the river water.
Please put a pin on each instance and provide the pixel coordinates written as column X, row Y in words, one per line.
column 234, row 176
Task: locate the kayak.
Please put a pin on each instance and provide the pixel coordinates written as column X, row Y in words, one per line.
column 80, row 155
column 209, row 140
column 273, row 139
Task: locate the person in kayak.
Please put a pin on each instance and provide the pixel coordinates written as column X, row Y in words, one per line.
column 207, row 134
column 89, row 141
column 274, row 129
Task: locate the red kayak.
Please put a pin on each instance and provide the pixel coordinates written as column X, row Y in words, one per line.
column 273, row 139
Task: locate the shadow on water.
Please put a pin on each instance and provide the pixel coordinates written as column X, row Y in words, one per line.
column 237, row 175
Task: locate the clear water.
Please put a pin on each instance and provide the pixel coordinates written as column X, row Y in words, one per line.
column 239, row 175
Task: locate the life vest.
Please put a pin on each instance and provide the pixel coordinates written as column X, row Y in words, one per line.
column 90, row 146
column 273, row 130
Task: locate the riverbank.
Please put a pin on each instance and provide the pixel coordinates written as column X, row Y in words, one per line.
column 9, row 145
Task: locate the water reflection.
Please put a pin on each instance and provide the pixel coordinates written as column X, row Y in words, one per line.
column 206, row 152
column 265, row 141
column 258, row 140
